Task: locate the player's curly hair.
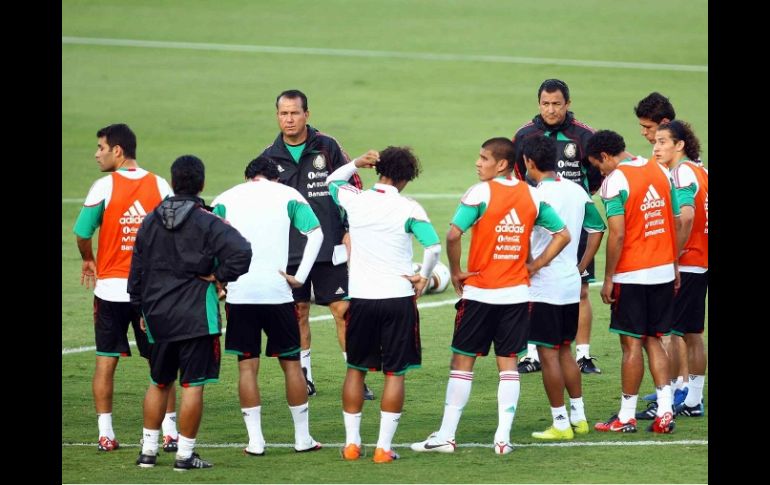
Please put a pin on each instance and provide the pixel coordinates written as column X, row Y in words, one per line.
column 681, row 130
column 398, row 164
column 262, row 165
column 606, row 141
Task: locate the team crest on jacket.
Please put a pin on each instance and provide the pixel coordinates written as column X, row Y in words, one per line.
column 319, row 162
column 570, row 150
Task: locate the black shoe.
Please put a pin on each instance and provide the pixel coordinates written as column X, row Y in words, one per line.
column 146, row 461
column 587, row 365
column 191, row 463
column 310, row 386
column 650, row 413
column 368, row 394
column 529, row 365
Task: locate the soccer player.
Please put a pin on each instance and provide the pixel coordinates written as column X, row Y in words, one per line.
column 677, row 147
column 383, row 327
column 117, row 205
column 557, row 122
column 501, row 211
column 263, row 210
column 305, row 157
column 640, row 274
column 182, row 255
column 555, row 289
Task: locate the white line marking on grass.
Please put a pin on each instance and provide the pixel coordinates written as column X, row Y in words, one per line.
column 567, row 444
column 422, row 56
column 317, row 318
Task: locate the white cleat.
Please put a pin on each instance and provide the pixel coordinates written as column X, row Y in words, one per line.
column 503, row 448
column 435, row 445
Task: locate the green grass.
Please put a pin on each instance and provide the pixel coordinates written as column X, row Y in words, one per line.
column 219, row 106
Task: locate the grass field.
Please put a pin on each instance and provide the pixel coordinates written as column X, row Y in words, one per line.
column 387, row 72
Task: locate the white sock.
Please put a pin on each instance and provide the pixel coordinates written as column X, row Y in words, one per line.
column 582, row 351
column 680, row 382
column 458, row 390
column 105, row 425
column 532, row 352
column 695, row 394
column 345, row 356
column 577, row 410
column 508, row 390
column 388, row 426
column 253, row 419
column 352, row 428
column 560, row 420
column 301, row 423
column 185, row 447
column 304, row 361
column 665, row 399
column 627, row 407
column 150, row 441
column 169, row 425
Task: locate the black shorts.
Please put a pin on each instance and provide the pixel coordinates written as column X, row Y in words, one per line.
column 383, row 335
column 642, row 310
column 330, row 283
column 245, row 323
column 111, row 321
column 588, row 275
column 690, row 304
column 195, row 360
column 552, row 325
column 478, row 324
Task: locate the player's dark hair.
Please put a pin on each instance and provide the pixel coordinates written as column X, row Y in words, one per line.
column 501, row 149
column 187, row 175
column 262, row 165
column 655, row 107
column 606, row 141
column 398, row 164
column 293, row 94
column 553, row 85
column 120, row 134
column 681, row 130
column 542, row 150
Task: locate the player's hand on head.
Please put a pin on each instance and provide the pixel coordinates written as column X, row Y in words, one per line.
column 368, row 159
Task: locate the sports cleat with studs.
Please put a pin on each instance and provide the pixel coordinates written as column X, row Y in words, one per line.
column 106, row 444
column 170, row 444
column 685, row 410
column 255, row 450
column 528, row 365
column 384, row 456
column 554, row 434
column 146, row 461
column 663, row 424
column 581, row 427
column 587, row 366
column 503, row 448
column 650, row 412
column 310, row 386
column 191, row 463
column 351, row 452
column 435, row 445
column 368, row 394
column 614, row 424
column 680, row 395
column 312, row 445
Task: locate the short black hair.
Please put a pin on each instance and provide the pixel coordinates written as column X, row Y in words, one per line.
column 542, row 150
column 187, row 175
column 606, row 141
column 655, row 107
column 262, row 165
column 293, row 94
column 553, row 85
column 399, row 164
column 501, row 149
column 681, row 130
column 120, row 134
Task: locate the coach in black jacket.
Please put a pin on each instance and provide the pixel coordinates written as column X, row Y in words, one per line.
column 182, row 254
column 305, row 157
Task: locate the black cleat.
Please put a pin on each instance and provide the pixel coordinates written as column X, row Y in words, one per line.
column 368, row 394
column 587, row 366
column 146, row 461
column 529, row 365
column 191, row 463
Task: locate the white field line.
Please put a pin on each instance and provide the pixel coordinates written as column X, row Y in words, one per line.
column 432, row 304
column 70, row 200
column 567, row 444
column 422, row 56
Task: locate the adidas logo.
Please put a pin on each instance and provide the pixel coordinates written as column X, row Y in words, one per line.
column 280, row 169
column 652, row 200
column 510, row 223
column 339, row 291
column 134, row 215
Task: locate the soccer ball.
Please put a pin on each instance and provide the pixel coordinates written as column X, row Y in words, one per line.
column 439, row 278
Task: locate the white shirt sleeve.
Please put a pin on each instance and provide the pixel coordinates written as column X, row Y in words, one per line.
column 164, row 188
column 476, row 195
column 684, row 176
column 101, row 190
column 613, row 184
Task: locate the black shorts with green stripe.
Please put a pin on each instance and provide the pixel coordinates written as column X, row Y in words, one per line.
column 690, row 303
column 479, row 324
column 111, row 321
column 383, row 335
column 195, row 361
column 552, row 325
column 642, row 310
column 245, row 323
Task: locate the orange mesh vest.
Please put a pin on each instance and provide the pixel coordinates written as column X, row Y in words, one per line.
column 697, row 246
column 500, row 238
column 130, row 202
column 649, row 237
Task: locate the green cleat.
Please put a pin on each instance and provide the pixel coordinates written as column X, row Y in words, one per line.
column 581, row 427
column 555, row 434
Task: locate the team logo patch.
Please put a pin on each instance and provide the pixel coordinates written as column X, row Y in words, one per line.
column 570, row 150
column 319, row 162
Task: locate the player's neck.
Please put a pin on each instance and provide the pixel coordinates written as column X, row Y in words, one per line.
column 297, row 139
